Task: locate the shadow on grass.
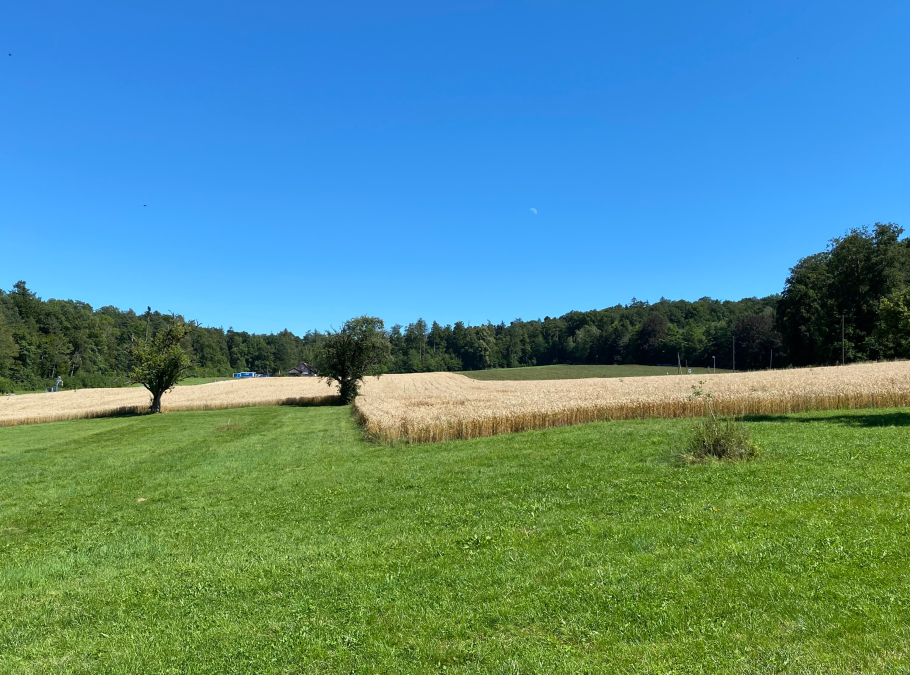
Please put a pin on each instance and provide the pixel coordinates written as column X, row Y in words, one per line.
column 856, row 419
column 312, row 401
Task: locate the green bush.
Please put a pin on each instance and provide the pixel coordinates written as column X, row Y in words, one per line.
column 6, row 386
column 715, row 438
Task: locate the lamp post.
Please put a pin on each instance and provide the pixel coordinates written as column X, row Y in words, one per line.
column 714, row 368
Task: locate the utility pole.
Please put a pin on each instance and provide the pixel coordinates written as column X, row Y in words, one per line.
column 771, row 364
column 734, row 353
column 678, row 365
column 714, row 368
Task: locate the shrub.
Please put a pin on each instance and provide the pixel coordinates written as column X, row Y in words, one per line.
column 6, row 386
column 715, row 438
column 721, row 439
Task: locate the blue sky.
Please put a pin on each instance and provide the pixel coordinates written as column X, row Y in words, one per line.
column 304, row 163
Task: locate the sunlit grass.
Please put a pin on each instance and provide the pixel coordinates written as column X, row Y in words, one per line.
column 277, row 540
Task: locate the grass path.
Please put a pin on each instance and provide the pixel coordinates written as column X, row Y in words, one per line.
column 275, row 540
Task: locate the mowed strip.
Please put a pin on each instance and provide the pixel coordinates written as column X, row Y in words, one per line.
column 435, row 407
column 87, row 403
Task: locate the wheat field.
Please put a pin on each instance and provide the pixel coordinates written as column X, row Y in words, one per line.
column 432, row 407
column 84, row 403
column 435, row 407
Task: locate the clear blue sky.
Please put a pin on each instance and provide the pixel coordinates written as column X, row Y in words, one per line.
column 304, row 163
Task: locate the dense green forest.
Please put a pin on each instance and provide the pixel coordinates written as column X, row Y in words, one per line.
column 41, row 339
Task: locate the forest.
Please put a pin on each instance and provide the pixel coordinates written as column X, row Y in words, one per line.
column 830, row 304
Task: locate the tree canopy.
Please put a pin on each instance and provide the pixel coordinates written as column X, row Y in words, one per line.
column 360, row 348
column 843, row 286
column 41, row 339
column 161, row 360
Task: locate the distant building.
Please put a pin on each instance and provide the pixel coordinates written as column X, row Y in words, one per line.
column 302, row 370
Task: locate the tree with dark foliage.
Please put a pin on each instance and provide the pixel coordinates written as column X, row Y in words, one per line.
column 893, row 334
column 756, row 340
column 848, row 280
column 650, row 338
column 359, row 349
column 160, row 362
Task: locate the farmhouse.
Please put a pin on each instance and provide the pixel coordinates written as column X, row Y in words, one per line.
column 302, row 370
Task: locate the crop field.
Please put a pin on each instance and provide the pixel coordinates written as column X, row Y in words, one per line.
column 436, row 407
column 433, row 407
column 567, row 372
column 87, row 403
column 278, row 540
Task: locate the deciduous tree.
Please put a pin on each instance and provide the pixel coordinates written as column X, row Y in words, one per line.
column 359, row 349
column 161, row 361
column 894, row 332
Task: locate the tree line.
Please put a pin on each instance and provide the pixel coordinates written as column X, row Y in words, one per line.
column 849, row 300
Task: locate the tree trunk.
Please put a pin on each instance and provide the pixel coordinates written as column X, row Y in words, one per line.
column 156, row 403
column 347, row 389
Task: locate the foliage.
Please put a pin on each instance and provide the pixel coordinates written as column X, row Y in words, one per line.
column 161, row 361
column 6, row 386
column 715, row 438
column 893, row 334
column 42, row 339
column 359, row 349
column 637, row 333
column 845, row 283
column 572, row 550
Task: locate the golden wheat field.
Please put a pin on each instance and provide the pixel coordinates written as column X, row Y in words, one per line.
column 432, row 407
column 444, row 406
column 68, row 405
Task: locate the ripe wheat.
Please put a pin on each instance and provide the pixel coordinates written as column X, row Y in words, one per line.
column 68, row 405
column 433, row 407
column 443, row 406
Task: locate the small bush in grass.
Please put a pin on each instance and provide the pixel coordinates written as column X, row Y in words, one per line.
column 6, row 386
column 714, row 438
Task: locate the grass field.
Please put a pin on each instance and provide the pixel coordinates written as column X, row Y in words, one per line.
column 564, row 372
column 276, row 540
column 189, row 381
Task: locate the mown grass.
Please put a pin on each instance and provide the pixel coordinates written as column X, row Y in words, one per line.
column 566, row 372
column 202, row 380
column 276, row 540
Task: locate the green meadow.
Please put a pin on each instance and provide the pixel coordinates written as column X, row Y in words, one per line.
column 567, row 372
column 189, row 381
column 278, row 540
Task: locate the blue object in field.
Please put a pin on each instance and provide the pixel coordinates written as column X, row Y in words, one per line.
column 244, row 374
